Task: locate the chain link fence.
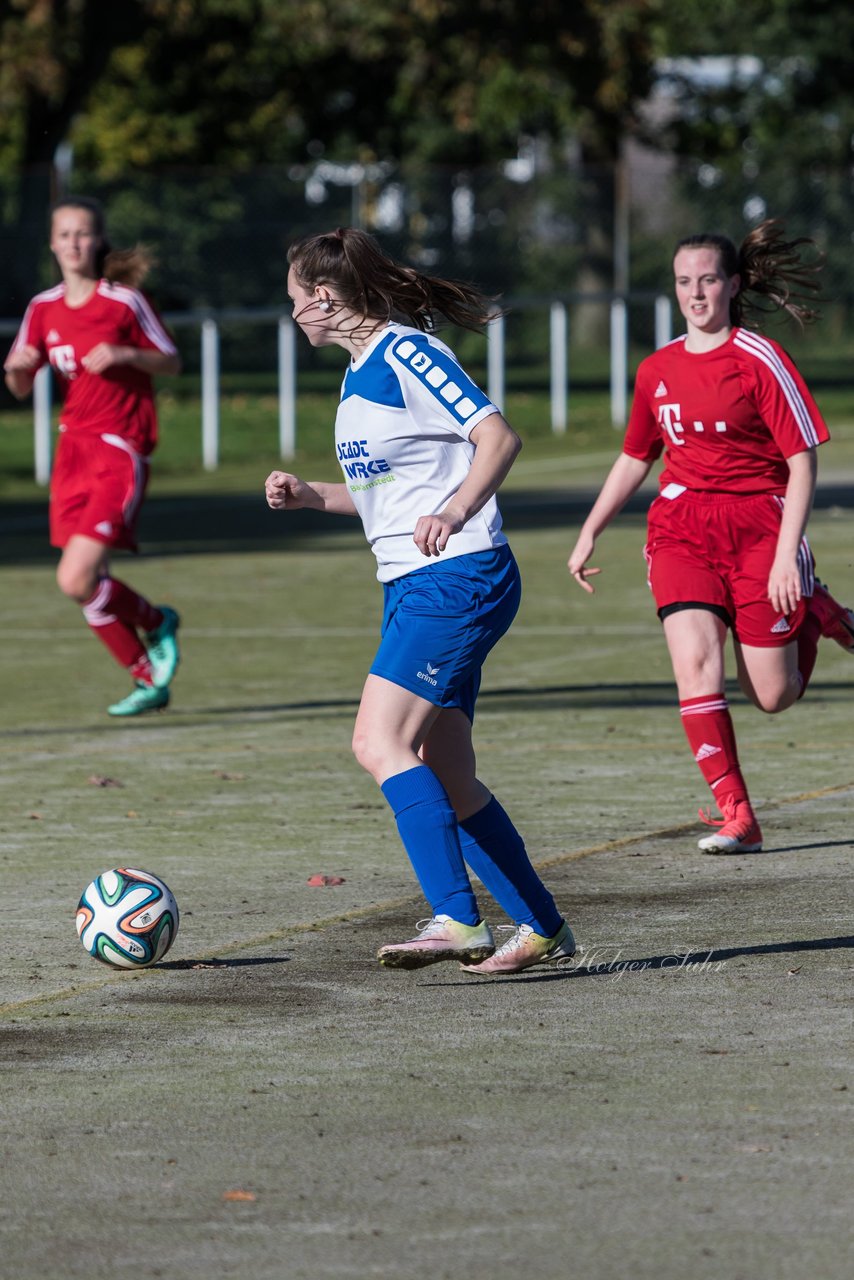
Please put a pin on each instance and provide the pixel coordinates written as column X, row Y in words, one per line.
column 527, row 225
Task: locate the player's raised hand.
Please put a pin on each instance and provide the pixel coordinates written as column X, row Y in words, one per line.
column 103, row 356
column 24, row 359
column 286, row 492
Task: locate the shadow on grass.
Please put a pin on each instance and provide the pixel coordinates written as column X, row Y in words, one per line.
column 242, row 522
column 609, row 962
column 225, row 962
column 637, row 696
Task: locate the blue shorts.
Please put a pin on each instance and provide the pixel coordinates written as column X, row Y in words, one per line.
column 440, row 622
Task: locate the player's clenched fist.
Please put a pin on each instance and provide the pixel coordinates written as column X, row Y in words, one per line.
column 24, row 358
column 278, row 488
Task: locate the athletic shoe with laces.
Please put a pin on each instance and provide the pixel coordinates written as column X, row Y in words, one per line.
column 145, row 697
column 837, row 622
column 162, row 646
column 526, row 948
column 441, row 938
column 739, row 830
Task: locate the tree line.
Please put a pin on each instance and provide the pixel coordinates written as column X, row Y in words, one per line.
column 753, row 92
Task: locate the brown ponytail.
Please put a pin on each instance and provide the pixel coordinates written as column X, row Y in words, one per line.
column 773, row 276
column 376, row 287
column 119, row 266
column 126, row 266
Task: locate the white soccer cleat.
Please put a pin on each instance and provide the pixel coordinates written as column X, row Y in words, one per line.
column 526, row 948
column 439, row 939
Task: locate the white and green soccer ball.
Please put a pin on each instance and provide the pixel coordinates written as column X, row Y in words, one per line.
column 127, row 918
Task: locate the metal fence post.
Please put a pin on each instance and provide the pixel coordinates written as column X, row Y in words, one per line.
column 495, row 361
column 559, row 378
column 42, row 393
column 210, row 394
column 619, row 361
column 287, row 387
column 663, row 321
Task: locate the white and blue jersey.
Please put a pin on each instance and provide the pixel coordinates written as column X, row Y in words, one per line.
column 402, row 440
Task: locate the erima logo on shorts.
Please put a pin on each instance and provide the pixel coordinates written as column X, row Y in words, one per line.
column 429, row 675
column 436, row 378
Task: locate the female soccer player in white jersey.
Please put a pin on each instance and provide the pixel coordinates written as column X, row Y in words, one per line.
column 423, row 452
column 725, row 544
column 104, row 342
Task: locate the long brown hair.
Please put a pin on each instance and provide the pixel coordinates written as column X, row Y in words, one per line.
column 375, row 286
column 773, row 275
column 119, row 266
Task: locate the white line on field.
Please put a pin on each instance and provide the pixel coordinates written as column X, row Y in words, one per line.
column 13, row 636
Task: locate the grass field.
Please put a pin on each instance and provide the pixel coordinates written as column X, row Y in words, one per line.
column 267, row 1102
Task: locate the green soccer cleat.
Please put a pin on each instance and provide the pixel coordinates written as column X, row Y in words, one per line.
column 145, row 697
column 162, row 646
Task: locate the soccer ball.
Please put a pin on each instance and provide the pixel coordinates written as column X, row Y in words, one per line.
column 127, row 918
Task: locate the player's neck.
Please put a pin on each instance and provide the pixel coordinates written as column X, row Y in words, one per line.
column 700, row 340
column 78, row 289
column 362, row 335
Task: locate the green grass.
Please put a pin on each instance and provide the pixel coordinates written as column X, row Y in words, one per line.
column 254, row 753
column 249, row 439
column 270, row 1053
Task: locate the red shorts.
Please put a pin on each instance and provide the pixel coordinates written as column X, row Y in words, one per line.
column 96, row 489
column 716, row 550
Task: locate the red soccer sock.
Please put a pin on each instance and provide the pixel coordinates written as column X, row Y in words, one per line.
column 808, row 638
column 107, row 614
column 130, row 607
column 708, row 727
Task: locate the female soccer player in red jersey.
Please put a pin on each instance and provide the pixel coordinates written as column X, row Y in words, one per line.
column 725, row 541
column 104, row 342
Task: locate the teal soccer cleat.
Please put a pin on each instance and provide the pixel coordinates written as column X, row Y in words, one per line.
column 162, row 646
column 145, row 697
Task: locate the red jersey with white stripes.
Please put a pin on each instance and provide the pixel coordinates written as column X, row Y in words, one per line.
column 726, row 419
column 121, row 399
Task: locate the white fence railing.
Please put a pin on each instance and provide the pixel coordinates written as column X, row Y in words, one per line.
column 209, row 324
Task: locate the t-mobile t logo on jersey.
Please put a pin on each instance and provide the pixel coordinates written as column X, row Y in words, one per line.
column 669, row 420
column 62, row 359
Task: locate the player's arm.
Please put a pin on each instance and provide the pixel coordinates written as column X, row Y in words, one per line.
column 784, row 580
column 107, row 355
column 496, row 445
column 286, row 492
column 625, row 477
column 20, row 367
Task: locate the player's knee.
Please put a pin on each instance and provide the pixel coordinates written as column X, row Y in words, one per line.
column 772, row 702
column 77, row 584
column 362, row 750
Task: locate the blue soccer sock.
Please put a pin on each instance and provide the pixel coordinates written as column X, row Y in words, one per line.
column 496, row 854
column 428, row 828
